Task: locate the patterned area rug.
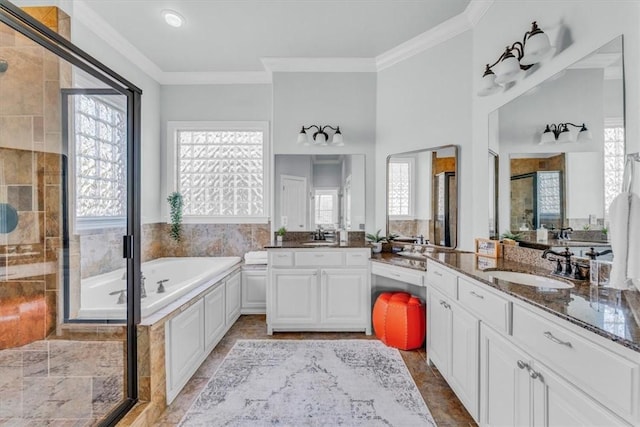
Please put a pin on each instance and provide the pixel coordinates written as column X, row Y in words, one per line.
column 310, row 383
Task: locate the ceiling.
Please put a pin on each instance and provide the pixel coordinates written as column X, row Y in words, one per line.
column 233, row 35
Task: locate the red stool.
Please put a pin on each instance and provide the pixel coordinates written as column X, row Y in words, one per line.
column 399, row 320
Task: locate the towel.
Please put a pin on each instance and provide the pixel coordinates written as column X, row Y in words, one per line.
column 255, row 257
column 624, row 214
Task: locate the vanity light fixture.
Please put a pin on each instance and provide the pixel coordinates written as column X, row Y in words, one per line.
column 172, row 18
column 320, row 137
column 560, row 133
column 534, row 48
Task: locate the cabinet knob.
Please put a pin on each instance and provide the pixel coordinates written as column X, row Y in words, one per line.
column 522, row 364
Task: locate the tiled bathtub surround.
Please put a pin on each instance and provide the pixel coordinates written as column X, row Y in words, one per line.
column 60, row 382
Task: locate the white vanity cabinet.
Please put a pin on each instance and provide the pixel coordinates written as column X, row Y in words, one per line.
column 319, row 290
column 254, row 290
column 532, row 369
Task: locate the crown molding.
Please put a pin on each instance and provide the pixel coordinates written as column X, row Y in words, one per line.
column 320, row 65
column 216, row 78
column 447, row 30
column 94, row 22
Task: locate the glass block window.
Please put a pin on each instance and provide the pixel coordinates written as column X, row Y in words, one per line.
column 613, row 164
column 326, row 207
column 549, row 197
column 400, row 187
column 100, row 136
column 220, row 169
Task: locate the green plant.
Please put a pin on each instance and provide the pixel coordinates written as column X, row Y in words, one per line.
column 175, row 207
column 605, row 230
column 392, row 236
column 375, row 238
column 281, row 231
column 586, row 227
column 513, row 236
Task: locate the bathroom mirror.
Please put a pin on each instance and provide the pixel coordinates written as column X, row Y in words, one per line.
column 422, row 195
column 569, row 184
column 319, row 191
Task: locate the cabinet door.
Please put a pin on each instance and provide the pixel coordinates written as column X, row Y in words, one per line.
column 345, row 297
column 214, row 316
column 293, row 296
column 557, row 403
column 505, row 396
column 464, row 361
column 233, row 298
column 185, row 345
column 254, row 291
column 439, row 331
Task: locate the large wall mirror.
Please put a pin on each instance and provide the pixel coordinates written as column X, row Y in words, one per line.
column 422, row 196
column 319, row 191
column 564, row 178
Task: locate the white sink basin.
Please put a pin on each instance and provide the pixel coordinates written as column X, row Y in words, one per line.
column 530, row 279
column 320, row 244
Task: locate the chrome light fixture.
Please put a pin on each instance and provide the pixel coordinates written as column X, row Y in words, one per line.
column 320, row 136
column 560, row 133
column 534, row 48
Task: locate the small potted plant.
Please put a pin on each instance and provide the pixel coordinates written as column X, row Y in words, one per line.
column 175, row 212
column 280, row 232
column 376, row 241
column 605, row 233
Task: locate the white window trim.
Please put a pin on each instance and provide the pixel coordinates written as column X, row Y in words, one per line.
column 412, row 188
column 335, row 193
column 84, row 225
column 171, row 183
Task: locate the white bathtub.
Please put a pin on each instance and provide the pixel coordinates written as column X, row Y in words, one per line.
column 183, row 274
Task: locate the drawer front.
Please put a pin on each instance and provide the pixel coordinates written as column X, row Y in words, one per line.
column 608, row 377
column 489, row 307
column 357, row 258
column 318, row 258
column 443, row 279
column 401, row 274
column 281, row 259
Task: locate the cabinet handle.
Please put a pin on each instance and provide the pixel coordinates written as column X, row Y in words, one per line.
column 533, row 374
column 444, row 304
column 437, row 273
column 395, row 274
column 476, row 295
column 523, row 365
column 550, row 336
column 356, row 255
column 282, row 256
column 318, row 255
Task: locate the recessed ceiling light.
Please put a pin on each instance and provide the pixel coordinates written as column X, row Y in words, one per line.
column 173, row 18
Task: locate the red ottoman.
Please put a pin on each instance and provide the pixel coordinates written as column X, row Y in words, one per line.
column 399, row 320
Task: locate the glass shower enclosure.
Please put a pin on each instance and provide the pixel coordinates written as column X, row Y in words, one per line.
column 69, row 216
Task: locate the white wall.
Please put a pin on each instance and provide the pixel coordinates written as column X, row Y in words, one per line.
column 588, row 25
column 425, row 102
column 344, row 99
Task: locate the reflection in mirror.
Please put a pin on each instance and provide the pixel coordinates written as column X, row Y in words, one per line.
column 422, row 196
column 493, row 191
column 319, row 191
column 564, row 184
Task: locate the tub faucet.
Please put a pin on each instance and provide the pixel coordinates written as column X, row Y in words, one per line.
column 161, row 288
column 143, row 290
column 122, row 298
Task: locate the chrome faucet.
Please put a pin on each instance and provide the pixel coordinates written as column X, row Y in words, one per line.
column 161, row 288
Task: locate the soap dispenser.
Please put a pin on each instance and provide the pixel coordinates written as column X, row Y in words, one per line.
column 542, row 234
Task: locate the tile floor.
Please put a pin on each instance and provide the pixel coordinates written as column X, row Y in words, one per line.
column 444, row 405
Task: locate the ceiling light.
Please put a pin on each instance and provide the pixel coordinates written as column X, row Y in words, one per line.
column 173, row 18
column 320, row 137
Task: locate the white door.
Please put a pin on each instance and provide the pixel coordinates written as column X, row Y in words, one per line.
column 464, row 371
column 439, row 331
column 254, row 291
column 185, row 344
column 294, row 202
column 344, row 297
column 214, row 316
column 504, row 382
column 233, row 298
column 293, row 297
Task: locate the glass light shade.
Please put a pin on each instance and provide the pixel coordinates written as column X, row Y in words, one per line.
column 337, row 139
column 564, row 136
column 548, row 137
column 536, row 49
column 507, row 70
column 489, row 85
column 320, row 138
column 303, row 138
column 584, row 135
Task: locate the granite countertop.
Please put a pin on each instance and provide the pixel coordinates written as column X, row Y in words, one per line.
column 318, row 244
column 610, row 313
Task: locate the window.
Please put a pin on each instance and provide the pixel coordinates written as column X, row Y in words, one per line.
column 97, row 127
column 326, row 207
column 613, row 164
column 401, row 179
column 220, row 169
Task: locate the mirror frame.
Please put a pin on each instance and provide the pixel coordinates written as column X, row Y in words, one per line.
column 493, row 204
column 456, row 149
